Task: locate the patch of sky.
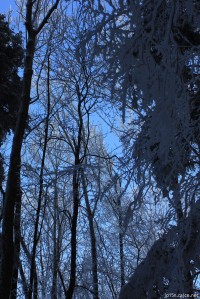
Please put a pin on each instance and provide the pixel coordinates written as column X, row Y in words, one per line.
column 7, row 6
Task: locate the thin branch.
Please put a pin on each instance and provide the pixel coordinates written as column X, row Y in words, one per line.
column 46, row 18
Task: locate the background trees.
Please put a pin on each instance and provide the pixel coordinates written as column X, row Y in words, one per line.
column 81, row 217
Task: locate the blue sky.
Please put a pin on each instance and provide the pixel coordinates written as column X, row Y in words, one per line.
column 5, row 5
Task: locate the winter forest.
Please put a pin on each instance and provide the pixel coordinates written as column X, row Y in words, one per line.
column 99, row 149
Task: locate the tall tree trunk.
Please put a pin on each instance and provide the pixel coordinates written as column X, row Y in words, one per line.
column 121, row 247
column 92, row 238
column 55, row 244
column 17, row 234
column 33, row 273
column 13, row 187
column 62, row 282
column 121, row 241
column 76, row 181
column 72, row 280
column 24, row 282
column 3, row 200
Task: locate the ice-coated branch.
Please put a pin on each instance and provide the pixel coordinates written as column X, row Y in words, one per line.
column 169, row 263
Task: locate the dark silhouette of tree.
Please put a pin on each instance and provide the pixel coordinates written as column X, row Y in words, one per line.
column 10, row 251
column 11, row 54
column 154, row 46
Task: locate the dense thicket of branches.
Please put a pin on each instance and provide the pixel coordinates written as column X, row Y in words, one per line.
column 97, row 208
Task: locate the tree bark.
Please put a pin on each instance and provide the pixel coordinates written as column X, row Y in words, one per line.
column 76, row 182
column 93, row 240
column 13, row 188
column 72, row 280
column 55, row 244
column 17, row 235
column 33, row 273
column 121, row 245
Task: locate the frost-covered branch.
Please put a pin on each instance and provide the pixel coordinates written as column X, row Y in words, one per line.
column 170, row 264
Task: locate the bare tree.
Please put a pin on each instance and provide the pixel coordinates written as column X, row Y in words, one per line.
column 13, row 189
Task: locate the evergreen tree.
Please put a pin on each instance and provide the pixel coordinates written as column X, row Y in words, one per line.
column 11, row 54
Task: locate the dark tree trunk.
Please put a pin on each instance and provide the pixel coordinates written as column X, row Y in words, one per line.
column 13, row 187
column 93, row 240
column 121, row 241
column 17, row 234
column 72, row 280
column 13, row 190
column 33, row 273
column 55, row 245
column 24, row 282
column 121, row 248
column 76, row 181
